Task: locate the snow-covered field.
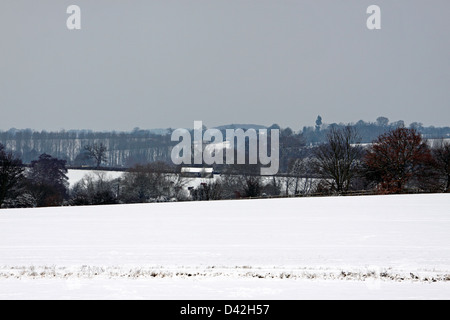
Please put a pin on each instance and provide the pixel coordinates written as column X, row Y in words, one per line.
column 75, row 175
column 365, row 247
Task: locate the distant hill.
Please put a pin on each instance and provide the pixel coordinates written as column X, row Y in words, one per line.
column 241, row 126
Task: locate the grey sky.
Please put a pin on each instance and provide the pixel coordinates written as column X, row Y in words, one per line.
column 157, row 64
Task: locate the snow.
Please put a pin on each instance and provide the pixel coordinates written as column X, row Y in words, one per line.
column 196, row 170
column 75, row 175
column 374, row 247
column 217, row 288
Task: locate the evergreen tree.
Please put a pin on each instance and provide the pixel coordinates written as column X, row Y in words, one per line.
column 11, row 174
column 48, row 181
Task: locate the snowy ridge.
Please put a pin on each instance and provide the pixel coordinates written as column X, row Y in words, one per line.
column 117, row 272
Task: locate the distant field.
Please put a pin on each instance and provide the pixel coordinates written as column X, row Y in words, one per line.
column 75, row 175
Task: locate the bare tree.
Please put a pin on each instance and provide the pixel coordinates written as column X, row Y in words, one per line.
column 212, row 190
column 382, row 121
column 397, row 160
column 242, row 181
column 300, row 177
column 152, row 182
column 272, row 186
column 97, row 152
column 441, row 154
column 337, row 160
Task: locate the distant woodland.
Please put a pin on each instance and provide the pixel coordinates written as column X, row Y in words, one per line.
column 363, row 158
column 127, row 149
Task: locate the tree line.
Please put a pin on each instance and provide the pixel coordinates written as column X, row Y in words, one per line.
column 397, row 161
column 126, row 149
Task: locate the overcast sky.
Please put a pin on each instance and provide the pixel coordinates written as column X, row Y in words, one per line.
column 159, row 64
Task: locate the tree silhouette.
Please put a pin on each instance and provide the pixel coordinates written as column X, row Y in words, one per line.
column 11, row 172
column 97, row 152
column 397, row 158
column 318, row 123
column 48, row 181
column 336, row 161
column 441, row 154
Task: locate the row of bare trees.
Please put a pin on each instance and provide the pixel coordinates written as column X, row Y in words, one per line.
column 124, row 148
column 397, row 161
